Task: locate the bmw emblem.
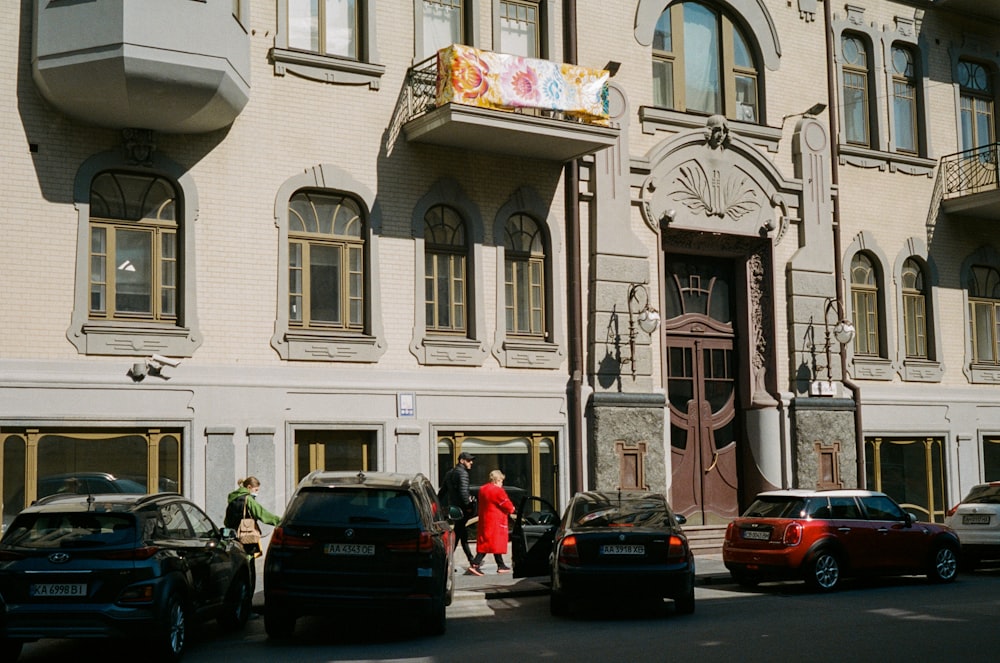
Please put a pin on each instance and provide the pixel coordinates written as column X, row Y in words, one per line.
column 59, row 558
column 349, row 533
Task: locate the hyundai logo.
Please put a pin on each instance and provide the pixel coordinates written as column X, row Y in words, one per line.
column 621, row 537
column 59, row 558
column 349, row 533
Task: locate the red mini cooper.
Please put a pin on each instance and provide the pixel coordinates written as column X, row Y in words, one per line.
column 820, row 536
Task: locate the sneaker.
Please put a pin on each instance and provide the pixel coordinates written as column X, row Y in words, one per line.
column 473, row 571
column 503, row 569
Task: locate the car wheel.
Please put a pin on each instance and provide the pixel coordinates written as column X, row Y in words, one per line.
column 277, row 625
column 558, row 604
column 823, row 572
column 238, row 604
column 435, row 621
column 173, row 635
column 684, row 605
column 10, row 649
column 944, row 564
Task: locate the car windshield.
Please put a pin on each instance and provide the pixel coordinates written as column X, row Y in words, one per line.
column 626, row 513
column 985, row 494
column 70, row 530
column 351, row 506
column 776, row 506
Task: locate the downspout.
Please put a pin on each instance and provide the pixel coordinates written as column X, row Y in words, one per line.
column 838, row 268
column 574, row 299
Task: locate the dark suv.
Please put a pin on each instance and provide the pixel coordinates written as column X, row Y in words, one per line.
column 354, row 541
column 123, row 565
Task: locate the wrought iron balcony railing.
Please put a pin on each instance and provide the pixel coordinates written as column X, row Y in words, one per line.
column 971, row 171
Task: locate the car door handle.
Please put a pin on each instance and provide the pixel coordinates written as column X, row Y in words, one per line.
column 845, row 530
column 882, row 530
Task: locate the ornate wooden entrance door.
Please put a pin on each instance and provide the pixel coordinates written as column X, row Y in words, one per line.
column 701, row 389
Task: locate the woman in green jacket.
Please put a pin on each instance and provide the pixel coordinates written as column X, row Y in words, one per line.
column 242, row 503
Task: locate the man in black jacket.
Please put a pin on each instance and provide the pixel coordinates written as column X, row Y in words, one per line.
column 457, row 483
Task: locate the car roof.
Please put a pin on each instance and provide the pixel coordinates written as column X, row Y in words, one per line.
column 612, row 496
column 333, row 479
column 72, row 502
column 803, row 493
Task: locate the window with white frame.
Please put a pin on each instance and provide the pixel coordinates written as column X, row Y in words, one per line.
column 976, row 112
column 519, row 28
column 442, row 23
column 329, row 27
column 325, row 261
column 703, row 62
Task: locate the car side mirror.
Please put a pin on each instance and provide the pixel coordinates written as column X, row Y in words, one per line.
column 681, row 520
column 910, row 518
column 455, row 513
column 227, row 533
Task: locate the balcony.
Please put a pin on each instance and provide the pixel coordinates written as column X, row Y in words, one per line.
column 970, row 183
column 503, row 104
column 176, row 66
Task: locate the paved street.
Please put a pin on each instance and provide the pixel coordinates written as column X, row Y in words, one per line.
column 903, row 619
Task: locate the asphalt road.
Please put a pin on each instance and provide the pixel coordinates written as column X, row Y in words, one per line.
column 901, row 619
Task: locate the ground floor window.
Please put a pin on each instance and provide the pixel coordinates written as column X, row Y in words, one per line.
column 991, row 459
column 334, row 450
column 911, row 471
column 528, row 461
column 37, row 462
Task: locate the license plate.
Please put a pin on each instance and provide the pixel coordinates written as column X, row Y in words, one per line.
column 623, row 550
column 756, row 534
column 59, row 589
column 976, row 519
column 357, row 549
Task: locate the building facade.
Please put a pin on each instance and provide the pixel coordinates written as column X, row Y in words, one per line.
column 282, row 236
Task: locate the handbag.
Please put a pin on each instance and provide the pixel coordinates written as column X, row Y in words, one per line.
column 247, row 532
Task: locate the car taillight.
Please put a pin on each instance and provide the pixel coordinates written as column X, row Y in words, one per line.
column 952, row 510
column 281, row 539
column 729, row 531
column 568, row 552
column 423, row 543
column 677, row 549
column 793, row 534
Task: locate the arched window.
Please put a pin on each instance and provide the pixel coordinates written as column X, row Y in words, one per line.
column 704, row 63
column 325, row 261
column 976, row 85
column 133, row 248
column 904, row 99
column 856, row 91
column 864, row 298
column 914, row 310
column 524, row 270
column 984, row 304
column 445, row 277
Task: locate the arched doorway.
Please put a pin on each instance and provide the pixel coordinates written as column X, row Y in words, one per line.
column 700, row 341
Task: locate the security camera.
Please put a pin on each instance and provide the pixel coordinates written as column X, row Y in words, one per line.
column 165, row 361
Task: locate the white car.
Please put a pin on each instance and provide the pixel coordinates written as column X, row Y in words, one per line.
column 976, row 520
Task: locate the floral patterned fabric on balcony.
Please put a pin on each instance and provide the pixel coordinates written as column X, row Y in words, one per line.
column 472, row 77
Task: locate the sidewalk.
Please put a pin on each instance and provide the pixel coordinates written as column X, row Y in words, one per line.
column 709, row 570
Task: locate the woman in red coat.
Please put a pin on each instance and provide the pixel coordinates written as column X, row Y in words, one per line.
column 491, row 536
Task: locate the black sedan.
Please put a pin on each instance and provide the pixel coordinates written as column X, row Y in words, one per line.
column 607, row 544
